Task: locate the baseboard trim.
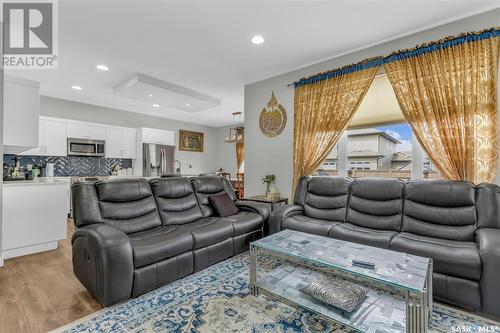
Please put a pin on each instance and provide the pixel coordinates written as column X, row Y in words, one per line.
column 25, row 250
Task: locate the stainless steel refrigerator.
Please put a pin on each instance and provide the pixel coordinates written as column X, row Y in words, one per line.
column 157, row 160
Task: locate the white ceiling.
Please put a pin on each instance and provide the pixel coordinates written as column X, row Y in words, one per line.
column 205, row 46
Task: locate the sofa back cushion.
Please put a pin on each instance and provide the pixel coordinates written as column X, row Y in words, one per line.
column 205, row 186
column 176, row 200
column 85, row 204
column 440, row 208
column 326, row 198
column 488, row 206
column 127, row 204
column 376, row 203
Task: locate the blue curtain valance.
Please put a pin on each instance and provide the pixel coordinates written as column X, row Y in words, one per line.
column 399, row 55
column 365, row 64
column 443, row 44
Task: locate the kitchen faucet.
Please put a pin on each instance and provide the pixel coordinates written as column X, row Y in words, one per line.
column 178, row 169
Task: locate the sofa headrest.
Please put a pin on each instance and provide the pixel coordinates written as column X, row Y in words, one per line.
column 208, row 184
column 328, row 186
column 488, row 206
column 172, row 188
column 440, row 192
column 380, row 189
column 123, row 190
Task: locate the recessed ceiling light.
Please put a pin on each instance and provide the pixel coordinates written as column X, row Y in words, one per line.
column 150, row 95
column 257, row 39
column 77, row 87
column 156, row 105
column 102, row 67
column 187, row 104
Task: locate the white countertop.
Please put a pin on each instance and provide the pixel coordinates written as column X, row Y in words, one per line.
column 39, row 181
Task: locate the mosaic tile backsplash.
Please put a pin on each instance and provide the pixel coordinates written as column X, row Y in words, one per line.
column 65, row 166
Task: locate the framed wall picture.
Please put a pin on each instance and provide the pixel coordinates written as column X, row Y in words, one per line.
column 191, row 141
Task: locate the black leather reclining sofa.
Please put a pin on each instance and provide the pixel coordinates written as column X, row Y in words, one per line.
column 135, row 235
column 455, row 223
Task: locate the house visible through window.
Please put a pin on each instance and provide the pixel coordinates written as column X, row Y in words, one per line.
column 379, row 150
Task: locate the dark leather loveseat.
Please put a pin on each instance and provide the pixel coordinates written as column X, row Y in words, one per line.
column 455, row 223
column 135, row 235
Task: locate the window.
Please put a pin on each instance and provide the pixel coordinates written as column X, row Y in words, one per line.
column 381, row 151
column 382, row 144
column 429, row 169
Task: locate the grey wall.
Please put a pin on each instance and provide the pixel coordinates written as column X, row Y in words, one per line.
column 274, row 155
column 207, row 161
column 226, row 152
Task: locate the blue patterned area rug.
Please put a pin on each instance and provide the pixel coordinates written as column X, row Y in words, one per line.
column 217, row 300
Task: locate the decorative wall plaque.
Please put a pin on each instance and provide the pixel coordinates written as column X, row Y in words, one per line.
column 272, row 118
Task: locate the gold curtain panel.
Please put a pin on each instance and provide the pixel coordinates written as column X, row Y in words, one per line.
column 240, row 155
column 323, row 110
column 449, row 97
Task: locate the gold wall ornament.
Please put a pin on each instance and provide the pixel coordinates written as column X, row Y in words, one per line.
column 272, row 119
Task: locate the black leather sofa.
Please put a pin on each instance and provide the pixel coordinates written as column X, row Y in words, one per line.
column 135, row 235
column 455, row 223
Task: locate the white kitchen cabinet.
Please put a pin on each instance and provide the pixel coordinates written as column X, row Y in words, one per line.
column 86, row 131
column 34, row 216
column 21, row 111
column 114, row 142
column 52, row 138
column 120, row 142
column 129, row 143
column 162, row 137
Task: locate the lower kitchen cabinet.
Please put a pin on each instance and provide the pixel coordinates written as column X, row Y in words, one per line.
column 34, row 216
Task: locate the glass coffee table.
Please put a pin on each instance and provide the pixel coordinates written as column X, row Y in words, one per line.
column 399, row 297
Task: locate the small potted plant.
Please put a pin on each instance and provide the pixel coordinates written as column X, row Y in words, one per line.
column 268, row 180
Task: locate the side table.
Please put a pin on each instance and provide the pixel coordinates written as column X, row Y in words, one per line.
column 264, row 199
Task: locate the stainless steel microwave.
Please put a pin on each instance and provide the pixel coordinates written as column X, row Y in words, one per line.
column 85, row 147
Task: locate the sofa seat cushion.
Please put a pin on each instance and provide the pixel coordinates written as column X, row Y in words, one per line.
column 208, row 231
column 353, row 233
column 308, row 224
column 243, row 222
column 455, row 258
column 158, row 244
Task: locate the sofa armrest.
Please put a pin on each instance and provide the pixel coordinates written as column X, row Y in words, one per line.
column 256, row 207
column 488, row 240
column 280, row 214
column 103, row 262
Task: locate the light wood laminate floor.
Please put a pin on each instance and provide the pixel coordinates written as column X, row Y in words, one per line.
column 39, row 292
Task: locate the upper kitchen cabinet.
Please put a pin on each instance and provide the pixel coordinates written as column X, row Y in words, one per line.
column 52, row 138
column 121, row 142
column 21, row 111
column 129, row 143
column 86, row 131
column 156, row 136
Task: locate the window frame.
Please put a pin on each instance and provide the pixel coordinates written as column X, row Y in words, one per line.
column 417, row 165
